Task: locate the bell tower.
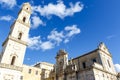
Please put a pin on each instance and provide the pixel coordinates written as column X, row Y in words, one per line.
column 61, row 60
column 14, row 46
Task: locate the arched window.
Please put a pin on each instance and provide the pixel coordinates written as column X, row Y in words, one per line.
column 27, row 8
column 24, row 18
column 13, row 60
column 20, row 36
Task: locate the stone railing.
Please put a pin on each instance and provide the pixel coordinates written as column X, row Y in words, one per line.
column 12, row 67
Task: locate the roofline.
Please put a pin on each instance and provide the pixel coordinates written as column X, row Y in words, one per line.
column 86, row 54
column 38, row 63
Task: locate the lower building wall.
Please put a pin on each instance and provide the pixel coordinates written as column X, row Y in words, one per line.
column 102, row 75
column 8, row 74
column 118, row 78
column 86, row 75
column 71, row 76
column 31, row 73
column 92, row 74
column 82, row 75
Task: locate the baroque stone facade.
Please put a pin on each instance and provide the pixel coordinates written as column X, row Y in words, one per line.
column 95, row 65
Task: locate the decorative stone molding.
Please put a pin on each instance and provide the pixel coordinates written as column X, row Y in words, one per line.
column 27, row 25
column 19, row 41
column 97, row 65
column 12, row 67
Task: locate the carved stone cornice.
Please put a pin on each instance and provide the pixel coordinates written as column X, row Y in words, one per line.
column 12, row 67
column 16, row 40
column 19, row 41
column 104, row 71
column 27, row 25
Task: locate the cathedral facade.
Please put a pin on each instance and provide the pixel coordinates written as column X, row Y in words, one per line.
column 95, row 65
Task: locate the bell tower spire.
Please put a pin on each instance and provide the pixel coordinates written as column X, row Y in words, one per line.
column 14, row 46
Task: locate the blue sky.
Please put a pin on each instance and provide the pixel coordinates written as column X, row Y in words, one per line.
column 77, row 26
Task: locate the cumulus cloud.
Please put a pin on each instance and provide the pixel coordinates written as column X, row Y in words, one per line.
column 6, row 18
column 36, row 22
column 34, row 42
column 59, row 9
column 47, row 45
column 72, row 30
column 8, row 3
column 54, row 38
column 117, row 67
column 66, row 40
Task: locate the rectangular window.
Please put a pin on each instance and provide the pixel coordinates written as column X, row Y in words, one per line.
column 36, row 73
column 29, row 71
column 21, row 77
column 84, row 65
column 108, row 63
column 94, row 60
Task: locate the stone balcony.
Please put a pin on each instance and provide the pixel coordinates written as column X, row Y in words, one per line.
column 96, row 65
column 12, row 67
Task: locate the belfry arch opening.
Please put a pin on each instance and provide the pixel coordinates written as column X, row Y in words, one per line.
column 13, row 60
column 24, row 19
column 20, row 36
column 27, row 8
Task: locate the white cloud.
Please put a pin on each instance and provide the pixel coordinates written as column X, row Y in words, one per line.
column 47, row 45
column 117, row 67
column 66, row 40
column 34, row 42
column 8, row 3
column 6, row 18
column 36, row 22
column 59, row 9
column 64, row 35
column 72, row 30
column 54, row 38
